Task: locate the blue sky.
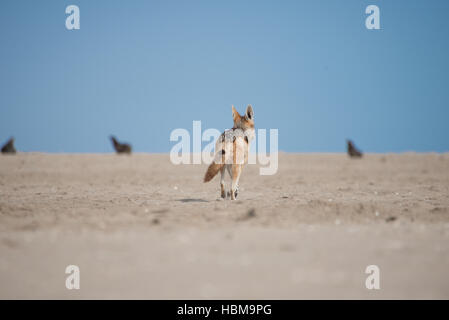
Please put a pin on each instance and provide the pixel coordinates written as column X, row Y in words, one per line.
column 139, row 69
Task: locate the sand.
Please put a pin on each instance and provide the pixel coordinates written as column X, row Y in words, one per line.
column 140, row 227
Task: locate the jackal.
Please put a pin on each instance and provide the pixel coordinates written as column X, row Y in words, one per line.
column 231, row 151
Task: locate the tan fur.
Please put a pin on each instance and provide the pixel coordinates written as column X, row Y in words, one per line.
column 212, row 171
column 232, row 154
column 236, row 172
column 244, row 122
column 222, row 186
column 235, row 116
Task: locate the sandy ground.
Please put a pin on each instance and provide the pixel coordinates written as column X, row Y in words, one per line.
column 140, row 227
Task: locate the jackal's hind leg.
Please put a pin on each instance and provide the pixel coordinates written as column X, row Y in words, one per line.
column 236, row 171
column 222, row 182
column 236, row 191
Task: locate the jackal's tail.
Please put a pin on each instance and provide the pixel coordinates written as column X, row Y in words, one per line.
column 212, row 171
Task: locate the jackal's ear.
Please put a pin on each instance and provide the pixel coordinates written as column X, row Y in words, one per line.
column 235, row 115
column 249, row 112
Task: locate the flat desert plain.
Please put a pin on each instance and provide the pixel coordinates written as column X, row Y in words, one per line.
column 139, row 227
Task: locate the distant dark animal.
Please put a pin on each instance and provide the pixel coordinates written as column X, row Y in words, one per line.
column 9, row 147
column 353, row 152
column 121, row 147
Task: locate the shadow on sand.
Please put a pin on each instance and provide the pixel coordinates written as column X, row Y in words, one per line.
column 192, row 200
